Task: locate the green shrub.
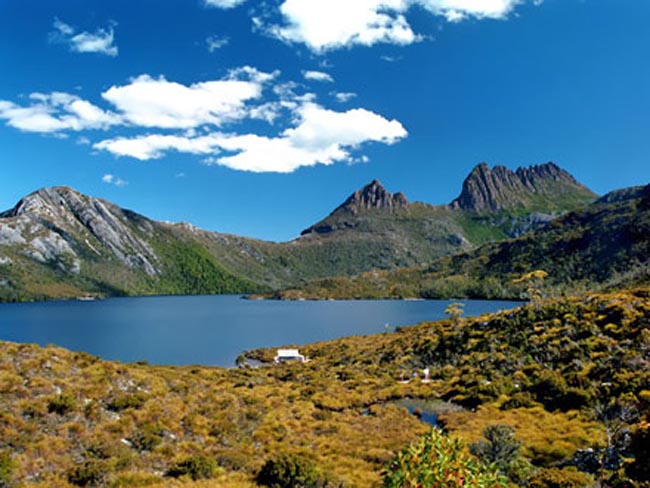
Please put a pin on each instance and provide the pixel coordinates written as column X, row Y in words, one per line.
column 61, row 404
column 437, row 461
column 7, row 467
column 197, row 467
column 135, row 400
column 289, row 471
column 147, row 437
column 91, row 473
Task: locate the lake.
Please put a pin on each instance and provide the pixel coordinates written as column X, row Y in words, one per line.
column 208, row 330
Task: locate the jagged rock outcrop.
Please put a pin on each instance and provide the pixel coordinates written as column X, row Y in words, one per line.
column 544, row 186
column 372, row 197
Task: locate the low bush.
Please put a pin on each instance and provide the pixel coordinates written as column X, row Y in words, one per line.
column 90, row 473
column 197, row 467
column 6, row 469
column 290, row 471
column 559, row 478
column 61, row 404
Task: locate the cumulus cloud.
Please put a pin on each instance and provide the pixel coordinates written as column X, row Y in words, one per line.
column 56, row 112
column 317, row 76
column 101, row 41
column 114, row 180
column 324, row 25
column 224, row 4
column 331, row 24
column 205, row 119
column 156, row 102
column 321, row 136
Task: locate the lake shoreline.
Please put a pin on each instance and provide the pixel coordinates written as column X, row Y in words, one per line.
column 210, row 329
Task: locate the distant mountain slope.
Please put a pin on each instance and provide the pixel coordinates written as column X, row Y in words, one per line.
column 607, row 244
column 57, row 242
column 378, row 228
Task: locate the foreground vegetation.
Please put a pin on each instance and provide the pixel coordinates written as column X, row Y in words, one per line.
column 553, row 394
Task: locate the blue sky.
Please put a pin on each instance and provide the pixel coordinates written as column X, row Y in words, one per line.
column 258, row 118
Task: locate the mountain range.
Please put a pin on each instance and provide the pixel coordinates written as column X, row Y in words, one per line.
column 604, row 245
column 59, row 243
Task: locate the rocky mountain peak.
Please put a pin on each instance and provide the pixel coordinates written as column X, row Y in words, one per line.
column 374, row 196
column 542, row 185
column 66, row 218
column 46, row 202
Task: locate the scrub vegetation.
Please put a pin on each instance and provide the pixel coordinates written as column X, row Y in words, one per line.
column 553, row 394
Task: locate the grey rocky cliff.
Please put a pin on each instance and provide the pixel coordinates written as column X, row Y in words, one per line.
column 56, row 224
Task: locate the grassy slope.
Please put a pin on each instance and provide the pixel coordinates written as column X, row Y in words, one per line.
column 543, row 369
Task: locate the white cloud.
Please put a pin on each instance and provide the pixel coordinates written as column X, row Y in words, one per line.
column 343, row 97
column 62, row 27
column 203, row 119
column 101, row 41
column 56, row 112
column 457, row 10
column 154, row 146
column 332, row 24
column 225, row 4
column 156, row 102
column 215, row 42
column 114, row 180
column 317, row 76
column 321, row 136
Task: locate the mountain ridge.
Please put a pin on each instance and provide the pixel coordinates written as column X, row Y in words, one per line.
column 602, row 246
column 58, row 242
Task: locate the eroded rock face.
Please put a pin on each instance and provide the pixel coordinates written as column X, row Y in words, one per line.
column 499, row 188
column 55, row 224
column 374, row 196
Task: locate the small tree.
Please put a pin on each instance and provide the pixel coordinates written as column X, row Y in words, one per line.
column 455, row 311
column 533, row 283
column 501, row 449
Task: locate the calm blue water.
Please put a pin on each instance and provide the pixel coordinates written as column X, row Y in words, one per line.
column 209, row 330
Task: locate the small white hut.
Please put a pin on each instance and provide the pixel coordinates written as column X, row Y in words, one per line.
column 285, row 355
